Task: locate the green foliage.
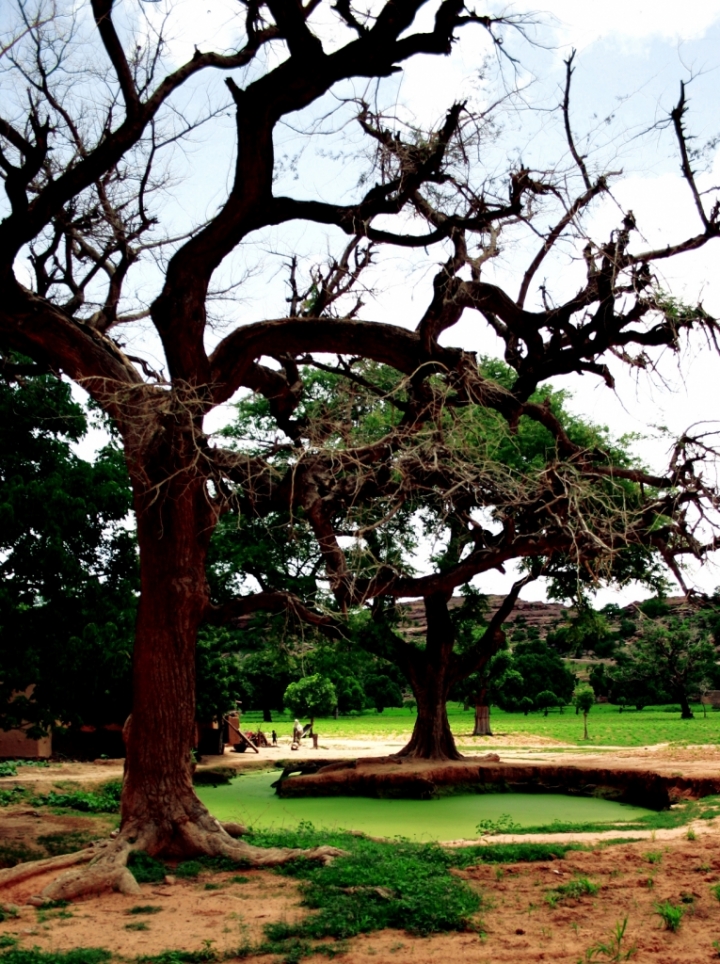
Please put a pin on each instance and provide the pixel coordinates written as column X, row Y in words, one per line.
column 144, row 909
column 105, row 800
column 201, row 956
column 377, row 885
column 382, row 691
column 188, row 869
column 676, row 656
column 311, row 696
column 79, row 955
column 670, row 914
column 503, row 824
column 584, row 699
column 531, row 665
column 545, row 700
column 573, row 890
column 8, row 768
column 146, row 869
column 68, row 568
column 612, row 949
column 65, row 843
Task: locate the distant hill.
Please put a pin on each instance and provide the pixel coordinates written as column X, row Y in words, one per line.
column 542, row 616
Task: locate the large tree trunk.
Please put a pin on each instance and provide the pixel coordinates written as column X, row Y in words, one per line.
column 159, row 805
column 482, row 720
column 431, row 680
column 160, row 812
column 686, row 712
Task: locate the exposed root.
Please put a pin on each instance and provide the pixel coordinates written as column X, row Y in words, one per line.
column 106, row 862
column 234, row 829
column 106, row 871
column 33, row 868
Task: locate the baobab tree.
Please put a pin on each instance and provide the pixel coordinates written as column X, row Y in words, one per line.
column 91, row 107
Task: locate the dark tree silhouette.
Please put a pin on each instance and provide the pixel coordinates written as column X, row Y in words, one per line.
column 90, row 107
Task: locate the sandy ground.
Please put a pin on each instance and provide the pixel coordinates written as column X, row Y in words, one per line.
column 516, row 924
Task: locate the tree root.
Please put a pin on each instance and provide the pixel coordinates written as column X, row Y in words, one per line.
column 106, row 861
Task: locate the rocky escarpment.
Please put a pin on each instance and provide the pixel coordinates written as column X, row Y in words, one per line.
column 391, row 777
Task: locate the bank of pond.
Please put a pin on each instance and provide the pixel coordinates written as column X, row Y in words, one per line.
column 251, row 799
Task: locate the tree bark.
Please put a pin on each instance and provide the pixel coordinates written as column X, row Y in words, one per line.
column 686, row 712
column 431, row 678
column 482, row 720
column 159, row 805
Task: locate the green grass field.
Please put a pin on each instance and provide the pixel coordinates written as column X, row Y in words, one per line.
column 606, row 726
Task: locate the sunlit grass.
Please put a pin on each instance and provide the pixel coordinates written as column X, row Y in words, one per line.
column 606, row 725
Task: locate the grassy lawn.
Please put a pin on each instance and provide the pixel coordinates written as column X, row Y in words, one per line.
column 606, row 725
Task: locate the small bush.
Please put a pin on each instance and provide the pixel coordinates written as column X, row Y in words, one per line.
column 105, row 800
column 145, row 869
column 670, row 915
column 573, row 890
column 64, row 843
column 79, row 955
column 188, row 869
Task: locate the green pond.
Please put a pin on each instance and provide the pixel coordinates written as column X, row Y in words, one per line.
column 252, row 801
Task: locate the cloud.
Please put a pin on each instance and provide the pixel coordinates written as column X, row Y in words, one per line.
column 580, row 24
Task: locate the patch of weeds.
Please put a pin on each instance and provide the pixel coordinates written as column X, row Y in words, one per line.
column 515, row 853
column 691, row 835
column 79, row 955
column 573, row 890
column 64, row 843
column 137, row 925
column 206, row 953
column 502, row 824
column 11, row 795
column 219, row 864
column 653, row 856
column 144, row 909
column 613, row 949
column 289, row 951
column 402, row 885
column 189, row 869
column 17, row 853
column 8, row 768
column 715, row 891
column 106, row 799
column 145, row 869
column 211, row 886
column 7, row 940
column 239, row 879
column 670, row 914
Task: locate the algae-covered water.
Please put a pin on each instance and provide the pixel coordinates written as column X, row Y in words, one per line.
column 252, row 801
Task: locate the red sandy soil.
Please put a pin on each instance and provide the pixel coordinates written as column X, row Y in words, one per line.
column 517, row 924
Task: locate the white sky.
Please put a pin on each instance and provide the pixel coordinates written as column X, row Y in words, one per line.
column 631, row 57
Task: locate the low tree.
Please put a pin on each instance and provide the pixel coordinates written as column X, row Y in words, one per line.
column 545, row 700
column 311, row 696
column 584, row 700
column 675, row 657
column 539, row 665
column 383, row 691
